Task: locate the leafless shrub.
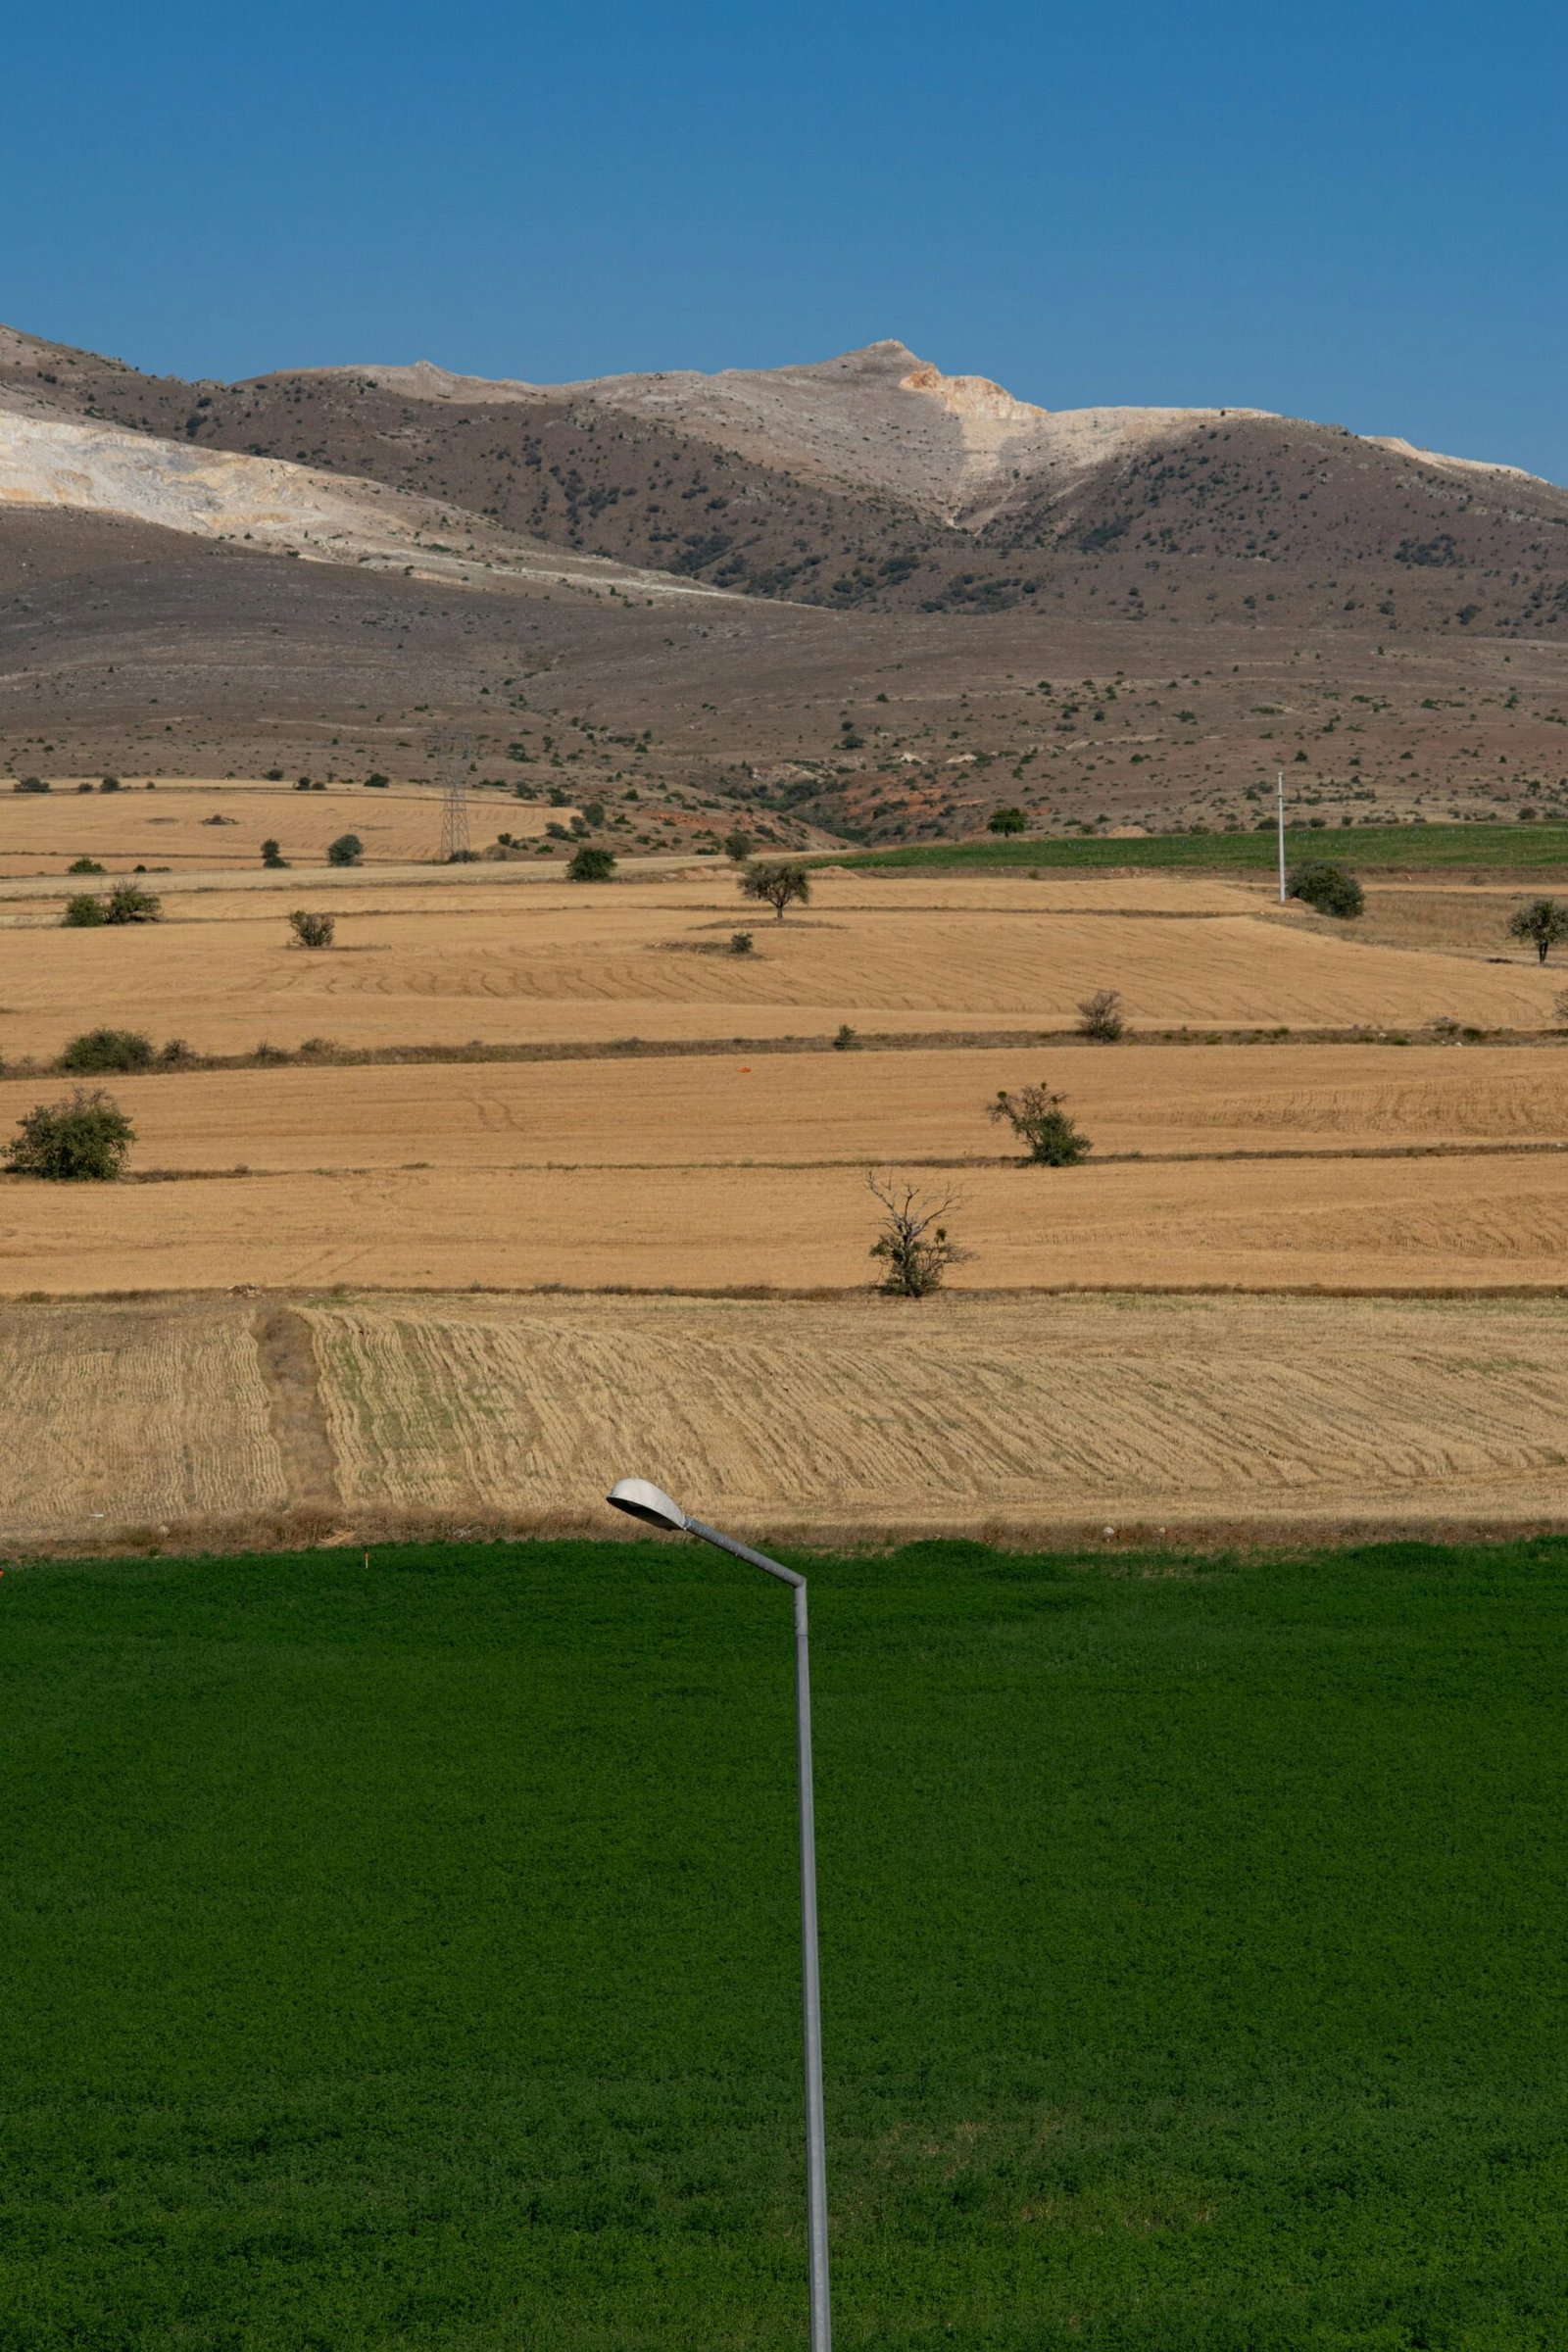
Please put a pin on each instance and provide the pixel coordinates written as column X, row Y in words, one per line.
column 913, row 1245
column 1100, row 1016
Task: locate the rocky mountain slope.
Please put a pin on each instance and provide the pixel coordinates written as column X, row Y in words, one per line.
column 862, row 597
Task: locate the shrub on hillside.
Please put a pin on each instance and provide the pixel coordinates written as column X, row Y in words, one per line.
column 1007, row 821
column 737, row 847
column 1327, row 888
column 313, row 930
column 108, row 1049
column 82, row 1140
column 1037, row 1118
column 347, row 850
column 592, row 865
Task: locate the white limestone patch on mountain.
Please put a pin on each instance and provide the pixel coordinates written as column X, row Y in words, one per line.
column 279, row 508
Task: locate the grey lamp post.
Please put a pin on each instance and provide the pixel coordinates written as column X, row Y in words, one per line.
column 641, row 1501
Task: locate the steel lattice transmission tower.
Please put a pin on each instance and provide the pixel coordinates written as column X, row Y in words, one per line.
column 455, row 754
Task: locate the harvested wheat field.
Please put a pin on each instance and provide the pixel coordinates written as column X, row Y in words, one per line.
column 958, row 1414
column 555, row 962
column 911, row 1107
column 121, row 1416
column 1407, row 1224
column 208, row 827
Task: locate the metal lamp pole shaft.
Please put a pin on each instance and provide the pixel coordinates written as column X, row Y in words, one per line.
column 810, row 1967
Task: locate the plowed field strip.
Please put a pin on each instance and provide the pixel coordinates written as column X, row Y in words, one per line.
column 843, row 1414
column 1419, row 1225
column 918, row 1107
column 118, row 1415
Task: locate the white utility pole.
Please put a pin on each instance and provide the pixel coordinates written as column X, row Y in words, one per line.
column 1282, row 835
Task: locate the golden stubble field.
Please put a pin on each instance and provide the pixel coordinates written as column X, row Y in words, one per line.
column 347, row 1417
column 197, row 825
column 531, row 961
column 482, row 1287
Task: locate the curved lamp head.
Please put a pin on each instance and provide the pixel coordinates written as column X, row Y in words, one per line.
column 640, row 1499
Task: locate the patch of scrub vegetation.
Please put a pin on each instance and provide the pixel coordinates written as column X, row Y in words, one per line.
column 1192, row 1942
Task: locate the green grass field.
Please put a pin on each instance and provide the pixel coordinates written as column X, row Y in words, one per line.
column 405, row 1957
column 1366, row 849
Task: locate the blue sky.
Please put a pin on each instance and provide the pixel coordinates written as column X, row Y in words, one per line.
column 1355, row 214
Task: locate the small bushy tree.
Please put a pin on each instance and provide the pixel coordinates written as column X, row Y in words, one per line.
column 128, row 903
column 108, row 1049
column 1543, row 922
column 86, row 1139
column 1100, row 1016
column 1328, row 889
column 84, row 865
column 592, row 865
column 1037, row 1118
column 273, row 853
column 1007, row 821
column 30, row 784
column 776, row 884
column 737, row 847
column 741, row 943
column 914, row 1244
column 313, row 930
column 82, row 913
column 347, row 850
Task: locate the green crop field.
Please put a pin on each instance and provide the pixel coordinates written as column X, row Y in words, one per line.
column 1370, row 848
column 404, row 1956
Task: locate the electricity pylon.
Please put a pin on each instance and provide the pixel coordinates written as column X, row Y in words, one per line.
column 455, row 754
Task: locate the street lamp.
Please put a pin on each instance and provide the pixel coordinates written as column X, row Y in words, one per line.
column 642, row 1501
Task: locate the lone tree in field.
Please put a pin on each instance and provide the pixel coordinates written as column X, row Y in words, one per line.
column 311, row 930
column 347, row 850
column 84, row 1140
column 1007, row 821
column 1037, row 1118
column 1100, row 1016
column 737, row 847
column 913, row 1245
column 108, row 1049
column 1327, row 888
column 592, row 865
column 272, row 852
column 1543, row 922
column 777, row 884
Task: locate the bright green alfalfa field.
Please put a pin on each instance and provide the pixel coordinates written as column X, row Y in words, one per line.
column 406, row 1956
